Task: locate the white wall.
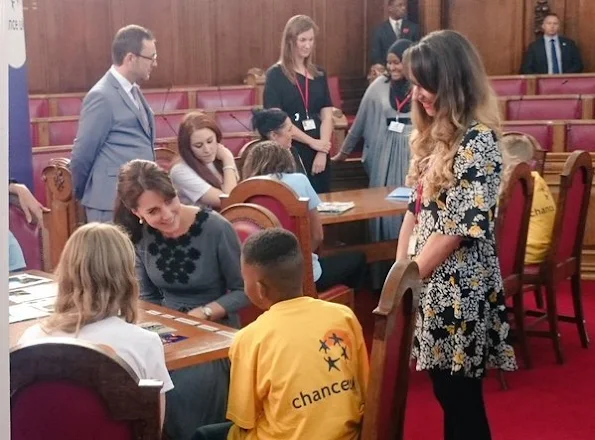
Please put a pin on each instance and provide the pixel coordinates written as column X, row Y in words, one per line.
column 4, row 378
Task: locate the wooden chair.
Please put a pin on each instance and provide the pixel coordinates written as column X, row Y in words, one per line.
column 247, row 219
column 538, row 152
column 384, row 416
column 67, row 389
column 563, row 260
column 292, row 212
column 66, row 213
column 512, row 226
column 165, row 158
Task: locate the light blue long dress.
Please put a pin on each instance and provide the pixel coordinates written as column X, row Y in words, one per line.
column 385, row 156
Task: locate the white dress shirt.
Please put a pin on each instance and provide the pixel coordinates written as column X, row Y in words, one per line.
column 126, row 85
column 548, row 52
column 396, row 25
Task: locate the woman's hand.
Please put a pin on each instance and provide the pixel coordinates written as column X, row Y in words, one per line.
column 29, row 204
column 339, row 157
column 225, row 156
column 197, row 313
column 319, row 164
column 320, row 146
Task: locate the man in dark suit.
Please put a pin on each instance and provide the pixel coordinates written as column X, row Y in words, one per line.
column 116, row 123
column 397, row 26
column 553, row 53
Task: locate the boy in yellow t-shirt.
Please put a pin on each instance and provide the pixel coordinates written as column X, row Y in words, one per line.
column 300, row 370
column 520, row 148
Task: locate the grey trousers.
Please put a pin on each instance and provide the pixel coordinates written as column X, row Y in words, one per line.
column 98, row 215
column 199, row 398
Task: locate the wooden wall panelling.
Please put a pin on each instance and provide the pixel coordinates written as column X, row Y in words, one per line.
column 580, row 15
column 37, row 43
column 500, row 45
column 431, row 14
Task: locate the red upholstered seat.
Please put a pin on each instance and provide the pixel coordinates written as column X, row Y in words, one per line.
column 542, row 131
column 529, row 109
column 225, row 97
column 164, row 157
column 293, row 215
column 167, row 100
column 531, row 269
column 41, row 158
column 65, row 389
column 556, row 85
column 394, row 321
column 34, row 134
column 28, row 235
column 580, row 136
column 69, row 106
column 34, row 416
column 62, row 132
column 233, row 121
column 510, row 86
column 335, row 91
column 512, row 226
column 167, row 126
column 38, row 108
column 236, row 142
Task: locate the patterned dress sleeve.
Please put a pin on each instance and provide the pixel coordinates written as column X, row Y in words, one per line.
column 467, row 208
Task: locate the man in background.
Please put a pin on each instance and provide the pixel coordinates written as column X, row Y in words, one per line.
column 116, row 123
column 553, row 53
column 397, row 26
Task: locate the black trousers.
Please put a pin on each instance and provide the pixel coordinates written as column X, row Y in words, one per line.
column 213, row 432
column 320, row 182
column 461, row 399
column 347, row 268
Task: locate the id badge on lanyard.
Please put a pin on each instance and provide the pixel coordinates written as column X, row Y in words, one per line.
column 308, row 124
column 413, row 238
column 395, row 125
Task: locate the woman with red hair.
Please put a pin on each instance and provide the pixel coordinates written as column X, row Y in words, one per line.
column 206, row 168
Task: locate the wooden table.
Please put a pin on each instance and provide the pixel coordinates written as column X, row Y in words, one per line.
column 369, row 203
column 202, row 345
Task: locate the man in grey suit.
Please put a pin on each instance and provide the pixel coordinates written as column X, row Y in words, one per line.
column 116, row 123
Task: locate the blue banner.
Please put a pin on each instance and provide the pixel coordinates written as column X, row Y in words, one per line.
column 19, row 131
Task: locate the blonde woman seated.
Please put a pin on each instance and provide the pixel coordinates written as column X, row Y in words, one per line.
column 268, row 158
column 517, row 149
column 206, row 168
column 97, row 302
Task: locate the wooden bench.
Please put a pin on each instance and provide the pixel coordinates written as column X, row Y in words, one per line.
column 510, row 85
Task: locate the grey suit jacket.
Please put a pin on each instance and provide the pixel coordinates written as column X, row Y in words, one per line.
column 110, row 133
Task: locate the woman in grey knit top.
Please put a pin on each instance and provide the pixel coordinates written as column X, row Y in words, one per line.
column 188, row 259
column 383, row 120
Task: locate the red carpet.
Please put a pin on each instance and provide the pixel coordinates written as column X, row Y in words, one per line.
column 548, row 402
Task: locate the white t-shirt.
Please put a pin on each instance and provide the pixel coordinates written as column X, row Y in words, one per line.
column 141, row 349
column 190, row 186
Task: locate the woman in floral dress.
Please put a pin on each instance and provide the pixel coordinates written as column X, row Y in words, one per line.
column 455, row 172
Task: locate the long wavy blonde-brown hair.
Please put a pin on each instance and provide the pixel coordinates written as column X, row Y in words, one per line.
column 96, row 279
column 296, row 25
column 446, row 64
column 516, row 148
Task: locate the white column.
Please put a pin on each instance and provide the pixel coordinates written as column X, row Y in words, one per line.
column 4, row 371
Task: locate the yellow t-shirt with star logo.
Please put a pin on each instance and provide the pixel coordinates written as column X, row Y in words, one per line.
column 299, row 371
column 543, row 214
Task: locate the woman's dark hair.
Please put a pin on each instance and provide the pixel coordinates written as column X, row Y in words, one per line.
column 267, row 157
column 267, row 120
column 136, row 177
column 196, row 121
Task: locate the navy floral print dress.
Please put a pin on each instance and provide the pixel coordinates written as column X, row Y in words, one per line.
column 461, row 324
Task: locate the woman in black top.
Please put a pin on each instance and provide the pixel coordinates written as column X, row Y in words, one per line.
column 273, row 124
column 298, row 87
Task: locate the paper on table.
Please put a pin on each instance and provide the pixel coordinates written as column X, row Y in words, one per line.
column 33, row 293
column 25, row 280
column 24, row 312
column 400, row 193
column 335, row 207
